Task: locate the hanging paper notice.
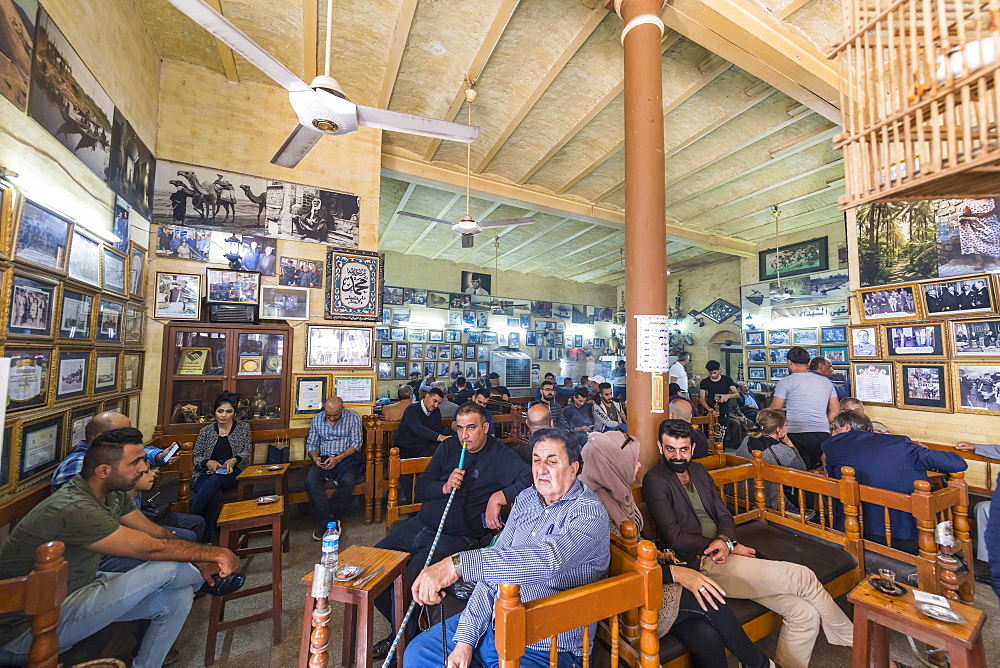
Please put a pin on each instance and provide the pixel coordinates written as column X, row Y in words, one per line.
column 652, row 343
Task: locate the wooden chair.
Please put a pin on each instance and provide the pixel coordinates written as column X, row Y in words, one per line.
column 400, row 467
column 39, row 594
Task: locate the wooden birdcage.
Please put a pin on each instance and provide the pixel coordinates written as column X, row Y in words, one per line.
column 919, row 86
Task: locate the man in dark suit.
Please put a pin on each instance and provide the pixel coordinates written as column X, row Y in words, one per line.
column 692, row 519
column 886, row 461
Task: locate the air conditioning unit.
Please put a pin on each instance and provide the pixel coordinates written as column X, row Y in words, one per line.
column 513, row 367
column 233, row 313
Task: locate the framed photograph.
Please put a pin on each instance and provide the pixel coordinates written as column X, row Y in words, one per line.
column 915, row 340
column 85, row 259
column 531, row 338
column 442, row 369
column 131, row 372
column 110, row 321
column 416, row 335
column 135, row 320
column 113, row 273
column 975, row 338
column 967, row 296
column 178, row 296
column 757, row 355
column 116, row 405
column 233, row 287
column 339, row 347
column 78, row 419
column 836, row 355
column 891, row 302
column 839, row 375
column 482, row 352
column 437, row 299
column 419, row 297
column 401, row 314
column 386, row 351
column 444, row 352
column 72, row 374
column 474, row 337
column 778, row 337
column 355, row 390
column 482, row 319
column 399, row 371
column 309, row 394
column 975, row 387
column 720, row 310
column 279, row 302
column 381, row 333
column 490, row 338
column 136, row 271
column 430, row 351
column 757, row 372
column 384, row 370
column 470, row 352
column 386, row 316
column 873, row 383
column 41, row 447
column 514, row 340
column 299, row 271
column 805, row 257
column 779, row 372
column 864, row 342
column 805, row 337
column 416, row 351
column 43, row 237
column 179, row 242
column 483, row 368
column 832, row 335
column 435, row 335
column 75, row 315
column 392, row 296
column 778, row 355
column 355, row 284
column 475, row 283
column 106, row 373
column 30, row 369
column 457, row 352
column 397, row 334
column 453, row 335
column 922, row 387
column 133, row 408
column 32, row 304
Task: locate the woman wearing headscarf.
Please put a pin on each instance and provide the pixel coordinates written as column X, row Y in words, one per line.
column 694, row 607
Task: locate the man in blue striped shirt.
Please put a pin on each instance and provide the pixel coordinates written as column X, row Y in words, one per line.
column 556, row 538
column 334, row 445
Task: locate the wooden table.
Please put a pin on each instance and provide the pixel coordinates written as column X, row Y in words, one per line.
column 258, row 473
column 359, row 604
column 874, row 612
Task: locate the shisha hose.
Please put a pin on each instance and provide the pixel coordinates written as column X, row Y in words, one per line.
column 430, row 556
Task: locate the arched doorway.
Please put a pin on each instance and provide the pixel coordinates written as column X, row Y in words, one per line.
column 726, row 345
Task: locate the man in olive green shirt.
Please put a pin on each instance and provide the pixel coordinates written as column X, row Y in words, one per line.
column 92, row 515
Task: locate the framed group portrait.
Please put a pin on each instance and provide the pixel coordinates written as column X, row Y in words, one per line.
column 32, row 306
column 43, row 237
column 332, row 347
column 898, row 303
column 917, row 340
column 957, row 297
column 922, row 387
column 975, row 338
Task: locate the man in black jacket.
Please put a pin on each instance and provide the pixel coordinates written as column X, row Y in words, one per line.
column 420, row 430
column 692, row 520
column 496, row 475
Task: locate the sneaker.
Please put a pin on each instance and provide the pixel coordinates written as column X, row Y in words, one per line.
column 381, row 648
column 224, row 586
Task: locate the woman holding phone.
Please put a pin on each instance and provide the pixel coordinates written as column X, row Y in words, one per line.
column 220, row 453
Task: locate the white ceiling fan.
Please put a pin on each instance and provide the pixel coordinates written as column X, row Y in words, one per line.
column 322, row 107
column 468, row 227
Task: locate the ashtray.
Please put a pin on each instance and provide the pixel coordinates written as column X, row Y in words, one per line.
column 880, row 584
column 940, row 613
column 347, row 572
column 274, row 467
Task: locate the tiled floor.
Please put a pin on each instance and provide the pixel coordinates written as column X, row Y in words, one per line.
column 250, row 646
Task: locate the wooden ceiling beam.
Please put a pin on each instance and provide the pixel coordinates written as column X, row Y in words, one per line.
column 589, row 26
column 767, row 210
column 789, row 9
column 716, row 67
column 226, row 54
column 743, row 33
column 486, row 48
column 395, row 215
column 397, row 45
column 550, row 271
column 669, row 39
column 430, row 226
column 562, row 256
column 597, row 270
column 535, row 237
column 482, row 216
column 548, row 250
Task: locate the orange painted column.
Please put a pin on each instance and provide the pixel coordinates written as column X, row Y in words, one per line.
column 645, row 208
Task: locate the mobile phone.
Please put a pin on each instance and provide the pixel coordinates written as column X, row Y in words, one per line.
column 171, row 451
column 221, row 471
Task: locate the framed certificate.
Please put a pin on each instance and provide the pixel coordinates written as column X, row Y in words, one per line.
column 310, row 393
column 40, row 447
column 873, row 383
column 192, row 360
column 355, row 390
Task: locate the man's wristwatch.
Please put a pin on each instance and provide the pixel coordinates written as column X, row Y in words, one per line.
column 729, row 543
column 456, row 562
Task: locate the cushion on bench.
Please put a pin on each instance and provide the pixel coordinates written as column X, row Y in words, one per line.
column 745, row 611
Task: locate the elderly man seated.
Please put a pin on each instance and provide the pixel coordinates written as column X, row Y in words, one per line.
column 852, row 404
column 556, row 538
column 886, row 461
column 394, row 412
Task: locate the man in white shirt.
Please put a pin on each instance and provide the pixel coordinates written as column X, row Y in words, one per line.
column 810, row 402
column 678, row 371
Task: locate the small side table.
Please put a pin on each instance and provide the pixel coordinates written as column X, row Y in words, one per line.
column 874, row 612
column 359, row 604
column 258, row 473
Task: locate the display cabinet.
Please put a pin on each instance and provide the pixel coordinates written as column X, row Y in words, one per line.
column 200, row 361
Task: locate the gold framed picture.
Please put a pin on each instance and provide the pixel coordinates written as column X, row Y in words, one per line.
column 975, row 387
column 890, row 303
column 922, row 387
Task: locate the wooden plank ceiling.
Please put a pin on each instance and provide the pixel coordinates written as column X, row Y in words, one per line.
column 748, row 103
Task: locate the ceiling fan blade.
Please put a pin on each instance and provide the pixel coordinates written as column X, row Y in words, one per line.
column 417, row 215
column 299, row 143
column 416, row 125
column 510, row 222
column 467, row 240
column 204, row 15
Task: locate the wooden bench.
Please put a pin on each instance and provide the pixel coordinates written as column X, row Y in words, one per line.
column 40, row 594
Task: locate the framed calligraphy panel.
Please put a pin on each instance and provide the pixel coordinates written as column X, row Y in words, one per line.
column 354, row 279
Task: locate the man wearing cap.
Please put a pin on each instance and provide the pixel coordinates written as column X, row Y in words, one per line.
column 495, row 384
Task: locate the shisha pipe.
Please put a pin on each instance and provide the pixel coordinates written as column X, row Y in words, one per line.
column 430, row 556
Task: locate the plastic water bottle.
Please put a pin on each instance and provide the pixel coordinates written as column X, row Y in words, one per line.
column 331, row 546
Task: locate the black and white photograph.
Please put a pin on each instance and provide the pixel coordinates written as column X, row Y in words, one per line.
column 402, row 351
column 106, row 373
column 442, row 370
column 71, row 375
column 583, row 315
column 392, row 296
column 833, row 335
column 444, row 352
column 135, row 318
column 120, row 224
column 459, row 301
column 131, row 371
column 386, row 350
column 457, row 352
column 74, row 316
column 300, row 272
column 437, row 299
column 228, row 202
column 417, row 351
column 399, row 371
column 778, row 337
column 178, row 296
column 779, row 372
column 915, row 341
column 384, row 370
column 482, row 319
column 67, row 100
column 183, row 243
column 259, row 253
column 132, row 166
column 778, row 355
column 836, row 355
column 864, row 342
column 31, row 306
column 541, row 309
column 43, row 237
column 470, row 352
column 232, row 287
column 753, row 338
column 113, row 271
column 85, row 259
column 960, row 297
column 755, row 355
column 397, row 334
column 491, row 339
column 976, row 338
column 720, row 310
column 419, row 298
column 416, row 335
column 923, row 386
column 339, row 347
column 757, row 372
column 381, row 333
column 481, row 302
column 805, row 337
column 562, row 311
column 284, row 303
column 978, row 388
column 16, row 43
column 110, row 321
column 475, row 283
column 136, row 270
column 474, row 337
column 435, row 335
column 888, row 303
column 468, row 318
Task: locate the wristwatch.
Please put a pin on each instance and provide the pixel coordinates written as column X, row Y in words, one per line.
column 456, row 562
column 729, row 543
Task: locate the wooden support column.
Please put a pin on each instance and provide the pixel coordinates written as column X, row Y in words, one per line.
column 645, row 208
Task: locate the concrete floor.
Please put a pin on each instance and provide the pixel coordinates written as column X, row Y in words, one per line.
column 250, row 646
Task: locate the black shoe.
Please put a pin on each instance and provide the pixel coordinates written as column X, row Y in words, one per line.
column 982, row 571
column 381, row 648
column 224, row 586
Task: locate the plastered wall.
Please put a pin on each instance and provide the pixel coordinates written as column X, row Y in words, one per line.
column 699, row 288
